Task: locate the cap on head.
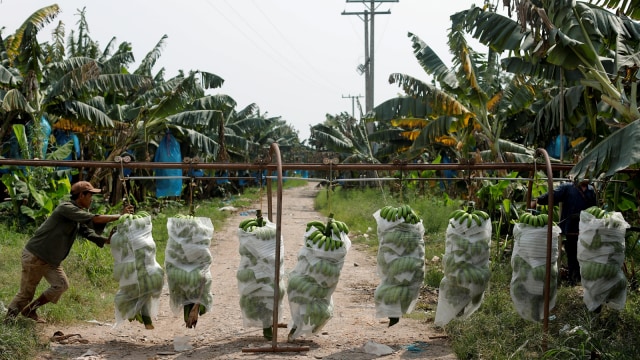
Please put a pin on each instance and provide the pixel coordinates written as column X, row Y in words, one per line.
column 82, row 186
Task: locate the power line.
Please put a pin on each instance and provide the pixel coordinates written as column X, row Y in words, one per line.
column 295, row 50
column 353, row 102
column 269, row 51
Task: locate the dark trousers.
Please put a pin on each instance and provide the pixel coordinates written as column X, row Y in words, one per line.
column 571, row 249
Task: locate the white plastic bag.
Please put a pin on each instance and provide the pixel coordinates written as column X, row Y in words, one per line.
column 528, row 261
column 601, row 248
column 466, row 270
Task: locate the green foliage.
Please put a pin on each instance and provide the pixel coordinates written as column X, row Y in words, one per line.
column 18, row 340
column 34, row 192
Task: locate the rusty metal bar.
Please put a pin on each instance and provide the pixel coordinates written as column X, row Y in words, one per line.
column 547, row 278
column 272, row 167
column 291, row 166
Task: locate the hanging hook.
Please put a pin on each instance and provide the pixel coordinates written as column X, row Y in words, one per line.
column 121, row 160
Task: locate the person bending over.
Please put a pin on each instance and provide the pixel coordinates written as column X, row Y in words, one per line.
column 574, row 197
column 43, row 254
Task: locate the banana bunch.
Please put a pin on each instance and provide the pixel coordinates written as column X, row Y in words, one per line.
column 464, row 273
column 408, row 241
column 591, row 270
column 402, row 212
column 597, row 212
column 187, row 263
column 327, row 268
column 610, row 220
column 258, row 308
column 317, row 314
column 540, row 220
column 389, row 294
column 256, row 273
column 326, row 236
column 468, row 217
column 249, row 225
column 257, row 227
column 400, row 265
column 127, row 217
column 404, row 270
column 139, row 275
column 307, row 286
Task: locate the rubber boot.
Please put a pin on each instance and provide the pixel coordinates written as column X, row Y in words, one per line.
column 30, row 310
column 11, row 315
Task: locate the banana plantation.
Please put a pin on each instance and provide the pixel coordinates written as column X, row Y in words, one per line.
column 557, row 78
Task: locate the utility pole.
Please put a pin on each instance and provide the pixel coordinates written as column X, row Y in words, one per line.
column 367, row 68
column 353, row 103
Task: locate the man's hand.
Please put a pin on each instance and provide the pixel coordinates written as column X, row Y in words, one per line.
column 113, row 230
column 128, row 209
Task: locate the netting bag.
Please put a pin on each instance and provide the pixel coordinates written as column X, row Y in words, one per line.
column 400, row 266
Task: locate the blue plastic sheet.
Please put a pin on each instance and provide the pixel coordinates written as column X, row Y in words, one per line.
column 168, row 151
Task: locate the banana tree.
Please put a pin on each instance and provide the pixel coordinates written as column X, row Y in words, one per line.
column 465, row 107
column 346, row 136
column 583, row 45
column 42, row 82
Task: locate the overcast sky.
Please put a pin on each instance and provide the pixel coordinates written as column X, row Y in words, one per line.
column 296, row 59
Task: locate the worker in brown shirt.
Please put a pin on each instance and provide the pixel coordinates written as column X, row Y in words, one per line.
column 43, row 254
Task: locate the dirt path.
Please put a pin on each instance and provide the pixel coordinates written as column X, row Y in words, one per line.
column 220, row 334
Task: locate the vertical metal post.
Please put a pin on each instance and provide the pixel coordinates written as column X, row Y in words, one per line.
column 275, row 153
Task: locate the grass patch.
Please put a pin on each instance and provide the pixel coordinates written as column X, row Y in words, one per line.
column 19, row 340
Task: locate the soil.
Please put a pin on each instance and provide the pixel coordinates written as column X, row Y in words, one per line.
column 220, row 334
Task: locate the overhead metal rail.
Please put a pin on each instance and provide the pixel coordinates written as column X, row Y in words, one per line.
column 272, row 167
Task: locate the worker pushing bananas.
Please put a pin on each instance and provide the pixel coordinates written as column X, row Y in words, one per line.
column 44, row 253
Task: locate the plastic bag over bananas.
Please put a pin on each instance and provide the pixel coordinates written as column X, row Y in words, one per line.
column 400, row 261
column 601, row 246
column 466, row 265
column 188, row 262
column 315, row 277
column 256, row 274
column 135, row 267
column 528, row 261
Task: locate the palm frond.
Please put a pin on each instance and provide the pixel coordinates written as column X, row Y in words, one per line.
column 38, row 20
column 432, row 64
column 439, row 101
column 14, row 100
column 8, row 78
column 150, row 59
column 86, row 114
column 631, row 8
column 616, row 152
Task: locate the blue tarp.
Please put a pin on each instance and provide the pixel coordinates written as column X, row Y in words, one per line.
column 556, row 145
column 168, row 151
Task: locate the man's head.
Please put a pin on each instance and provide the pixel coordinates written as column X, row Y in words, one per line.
column 83, row 186
column 82, row 192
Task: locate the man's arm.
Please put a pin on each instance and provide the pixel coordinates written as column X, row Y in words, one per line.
column 103, row 219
